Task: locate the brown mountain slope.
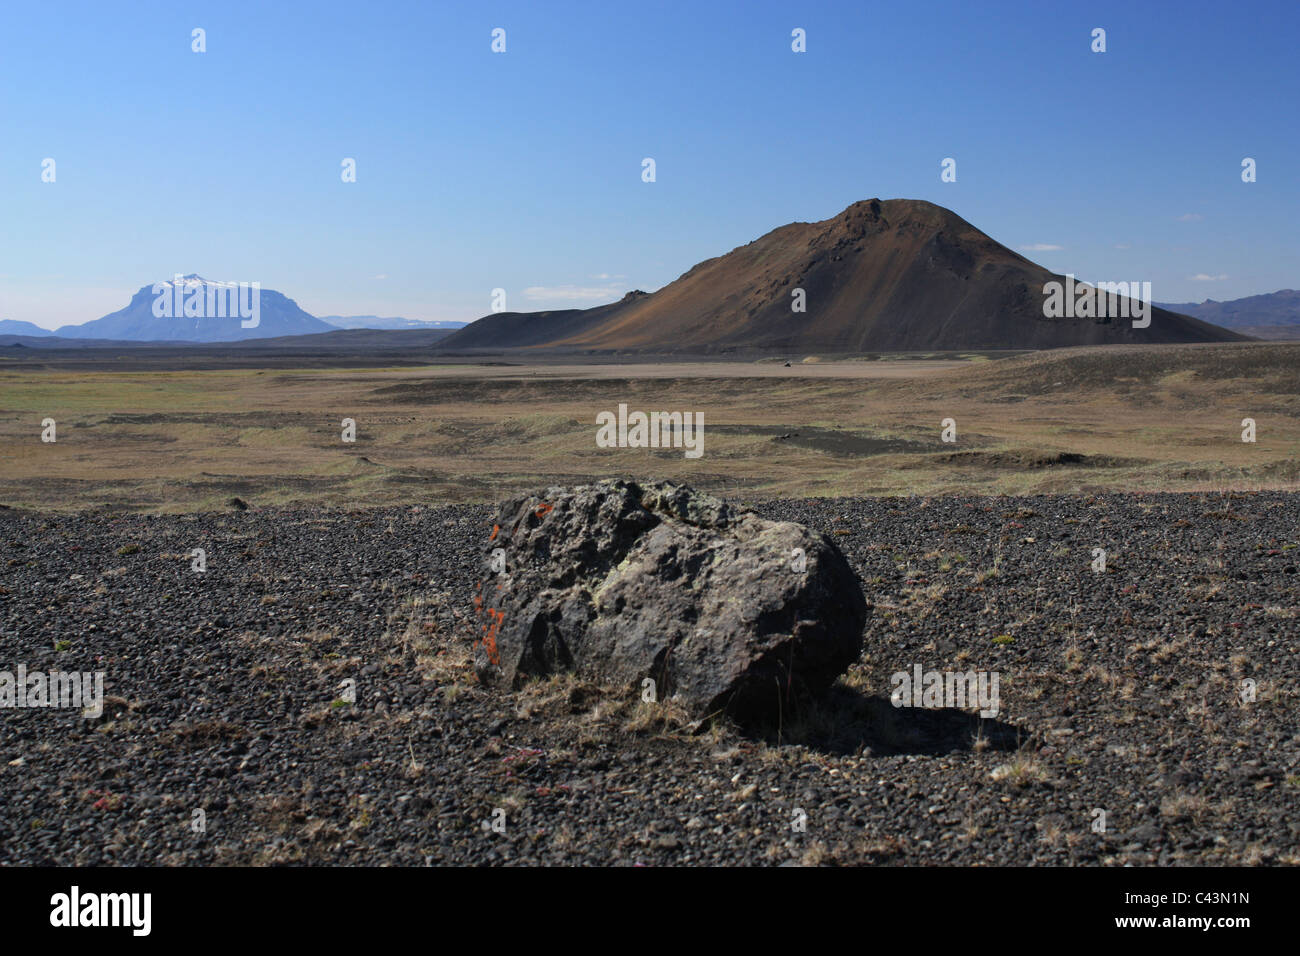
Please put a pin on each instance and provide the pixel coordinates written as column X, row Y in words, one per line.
column 882, row 275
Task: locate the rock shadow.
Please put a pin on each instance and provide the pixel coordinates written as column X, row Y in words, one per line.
column 843, row 721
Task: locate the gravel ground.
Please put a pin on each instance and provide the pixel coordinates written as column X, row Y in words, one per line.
column 1120, row 691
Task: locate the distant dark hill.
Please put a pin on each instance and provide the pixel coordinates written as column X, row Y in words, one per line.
column 341, row 348
column 358, row 340
column 525, row 329
column 1275, row 315
column 57, row 343
column 278, row 315
column 886, row 275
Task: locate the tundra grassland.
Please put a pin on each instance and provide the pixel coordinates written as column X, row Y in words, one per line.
column 1069, row 421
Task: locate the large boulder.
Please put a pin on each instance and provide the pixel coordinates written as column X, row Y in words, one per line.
column 618, row 581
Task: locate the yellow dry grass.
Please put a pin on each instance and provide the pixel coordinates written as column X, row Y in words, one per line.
column 1078, row 420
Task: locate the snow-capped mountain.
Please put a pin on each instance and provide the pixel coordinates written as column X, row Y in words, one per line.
column 381, row 322
column 194, row 309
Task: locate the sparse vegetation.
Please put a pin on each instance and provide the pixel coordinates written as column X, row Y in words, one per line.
column 266, row 429
column 1022, row 771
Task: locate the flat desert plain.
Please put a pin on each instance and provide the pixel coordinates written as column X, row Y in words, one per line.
column 1072, row 420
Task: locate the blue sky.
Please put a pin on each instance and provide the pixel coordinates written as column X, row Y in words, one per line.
column 522, row 170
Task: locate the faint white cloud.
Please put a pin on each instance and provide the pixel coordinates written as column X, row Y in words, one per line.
column 382, row 275
column 570, row 293
column 606, row 276
column 1041, row 247
column 1203, row 277
column 1121, row 245
column 1190, row 217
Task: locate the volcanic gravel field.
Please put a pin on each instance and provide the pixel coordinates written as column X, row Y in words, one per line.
column 1125, row 696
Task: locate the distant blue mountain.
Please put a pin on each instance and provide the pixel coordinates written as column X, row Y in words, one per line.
column 379, row 322
column 1279, row 308
column 15, row 327
column 195, row 309
column 1274, row 315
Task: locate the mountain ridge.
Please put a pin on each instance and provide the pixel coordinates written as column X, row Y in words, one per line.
column 1269, row 315
column 388, row 323
column 200, row 310
column 19, row 327
column 278, row 317
column 882, row 275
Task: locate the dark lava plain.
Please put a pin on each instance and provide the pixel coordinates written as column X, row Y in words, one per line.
column 1125, row 692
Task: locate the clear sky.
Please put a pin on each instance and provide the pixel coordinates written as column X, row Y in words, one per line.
column 523, row 170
